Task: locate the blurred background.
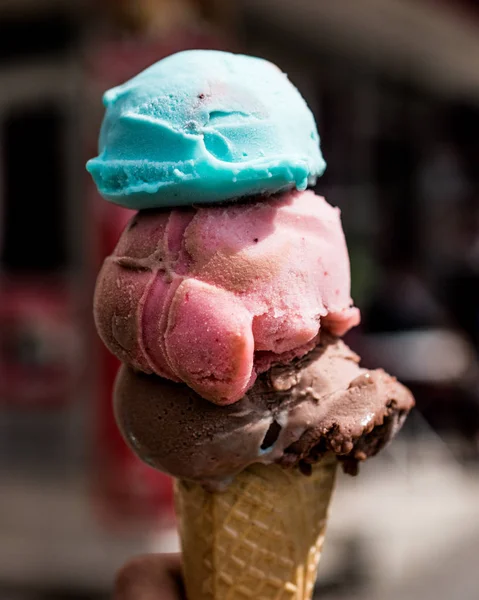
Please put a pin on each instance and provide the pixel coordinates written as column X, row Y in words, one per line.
column 394, row 85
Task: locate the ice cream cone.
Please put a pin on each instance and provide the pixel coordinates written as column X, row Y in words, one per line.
column 260, row 539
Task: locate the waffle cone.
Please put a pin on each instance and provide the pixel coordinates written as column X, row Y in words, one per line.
column 261, row 539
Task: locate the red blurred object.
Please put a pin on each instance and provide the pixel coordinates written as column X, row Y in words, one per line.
column 39, row 345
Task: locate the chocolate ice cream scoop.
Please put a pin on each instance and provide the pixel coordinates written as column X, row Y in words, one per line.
column 292, row 416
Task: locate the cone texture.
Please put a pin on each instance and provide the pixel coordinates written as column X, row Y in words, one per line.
column 261, row 539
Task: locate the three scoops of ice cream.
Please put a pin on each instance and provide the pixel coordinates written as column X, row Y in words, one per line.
column 228, row 292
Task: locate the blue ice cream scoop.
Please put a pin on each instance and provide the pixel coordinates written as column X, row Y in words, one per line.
column 205, row 126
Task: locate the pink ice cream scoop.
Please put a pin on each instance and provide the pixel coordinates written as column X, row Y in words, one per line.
column 213, row 296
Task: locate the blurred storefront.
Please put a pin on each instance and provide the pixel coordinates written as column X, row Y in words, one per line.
column 395, row 89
